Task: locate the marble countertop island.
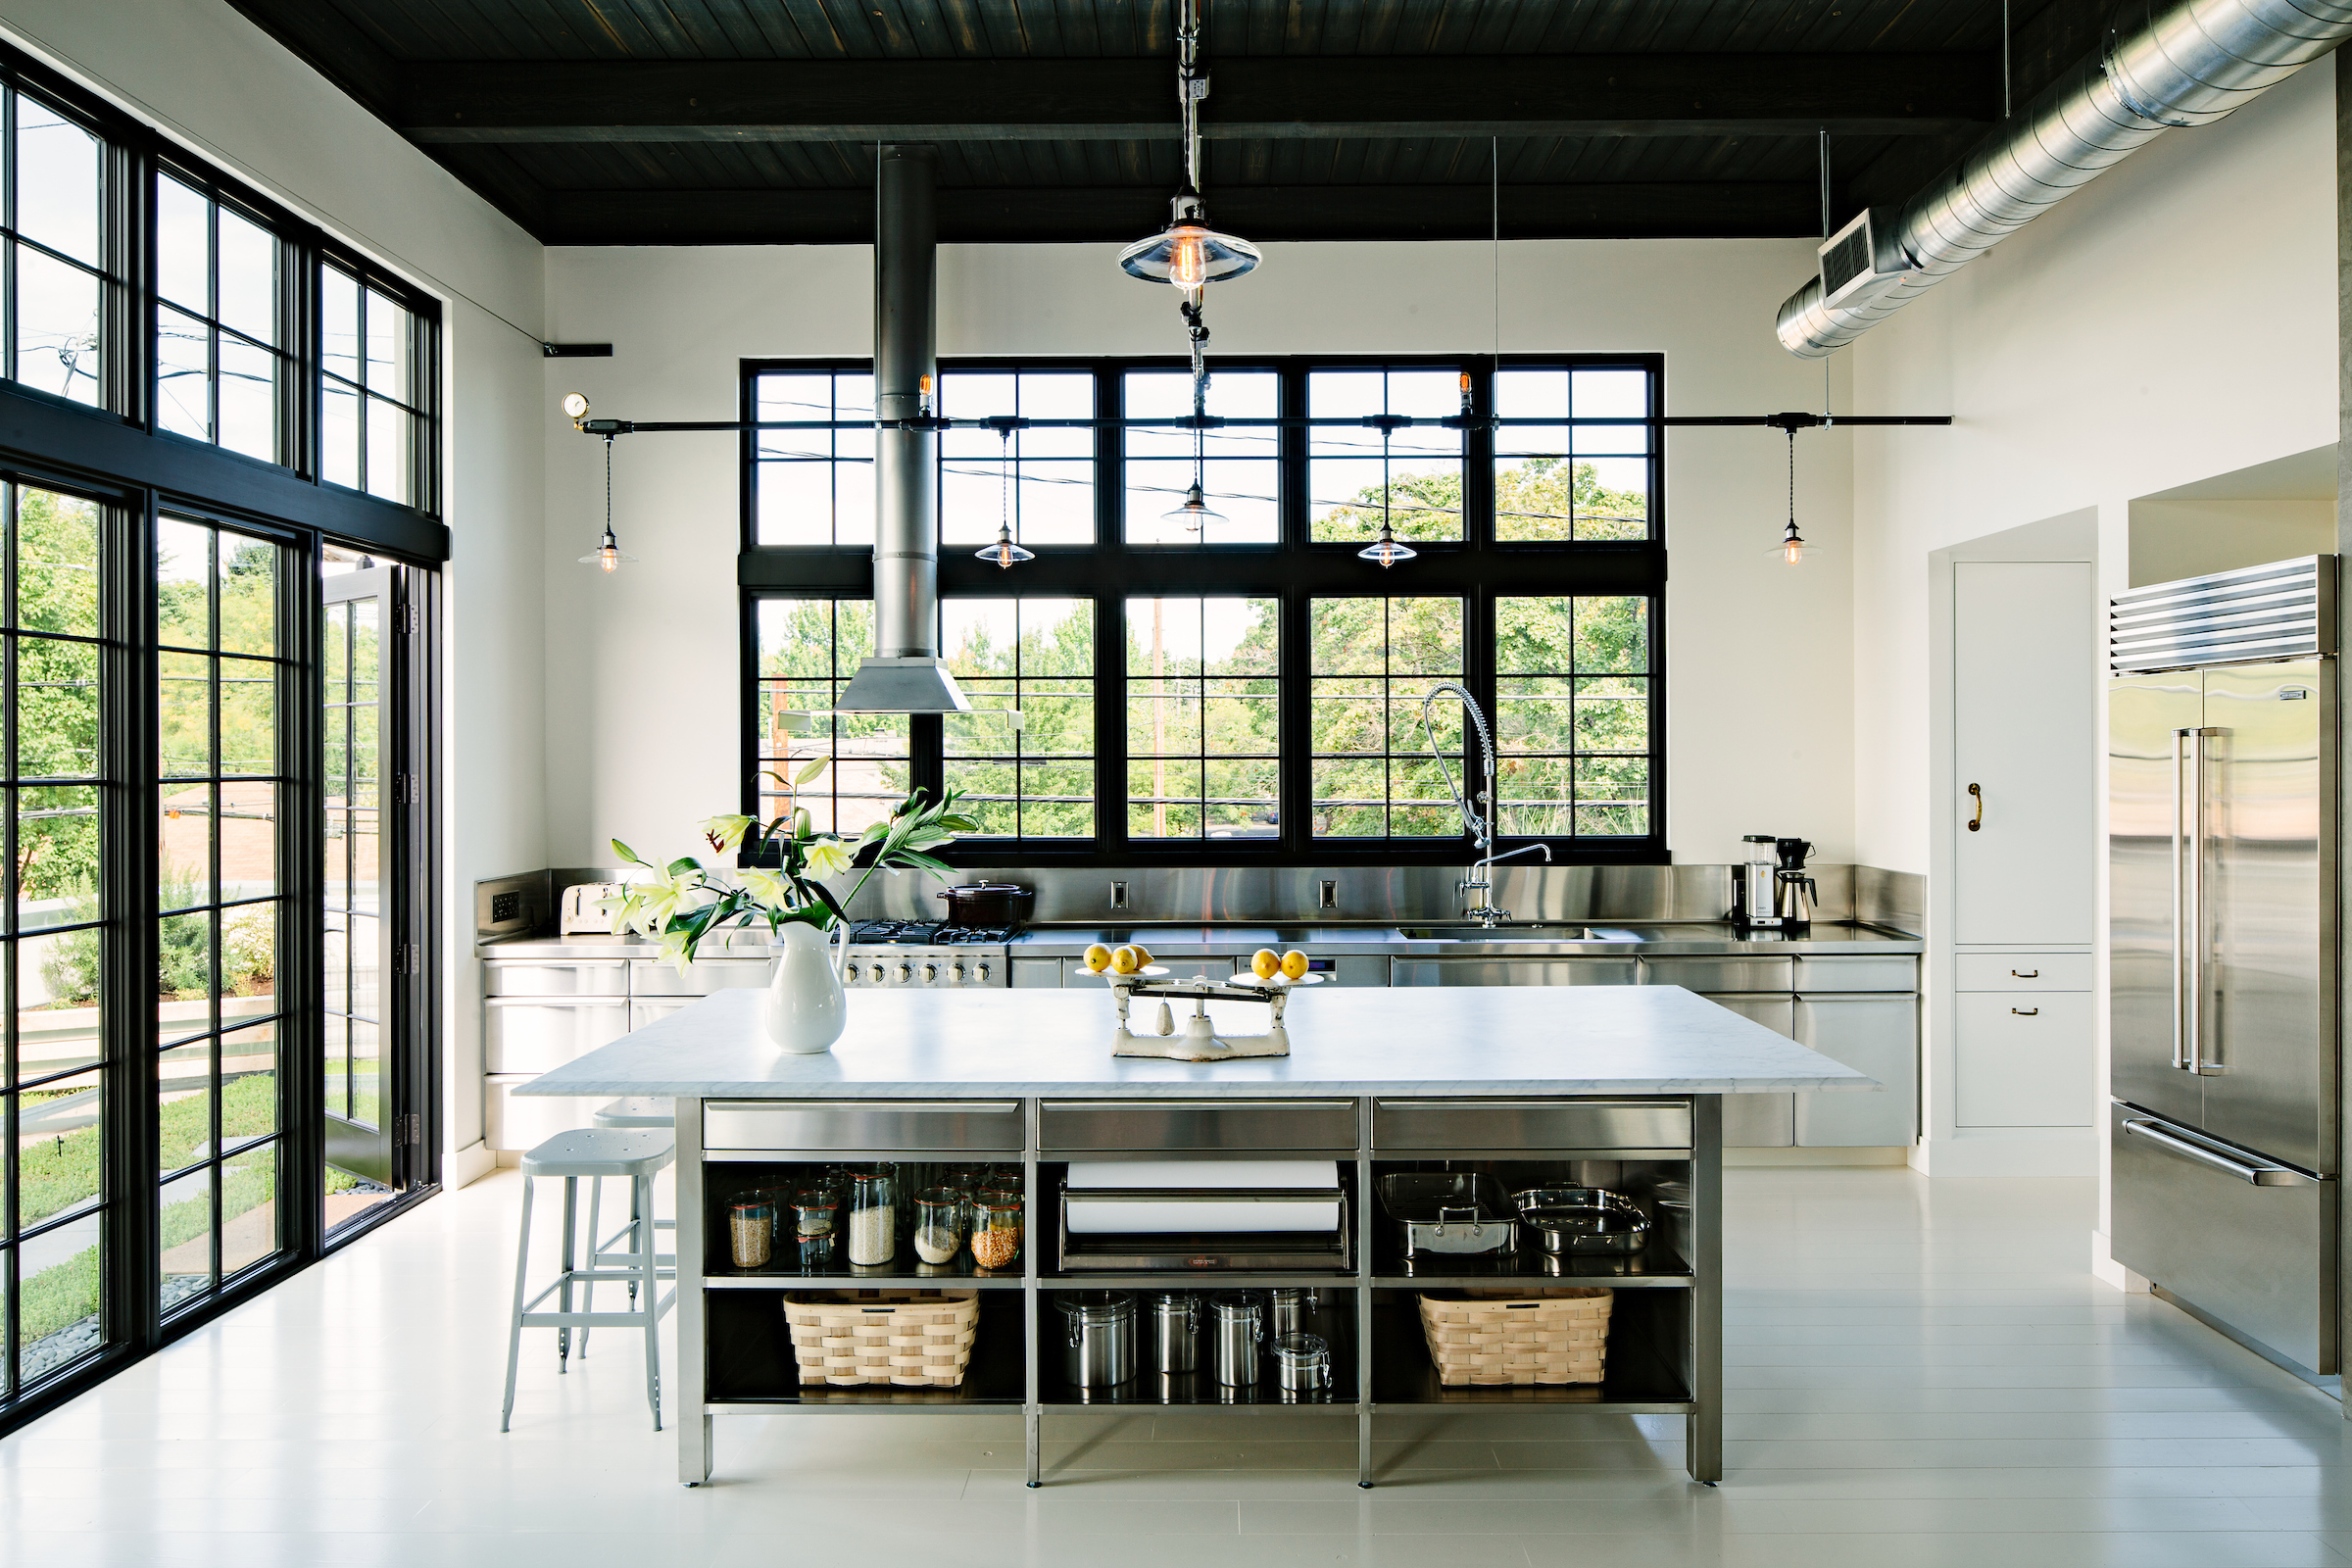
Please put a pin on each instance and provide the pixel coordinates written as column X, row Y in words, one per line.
column 1468, row 1040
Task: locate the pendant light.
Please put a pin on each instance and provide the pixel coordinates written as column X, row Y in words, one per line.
column 1794, row 549
column 1005, row 553
column 1188, row 252
column 1194, row 512
column 1386, row 551
column 607, row 556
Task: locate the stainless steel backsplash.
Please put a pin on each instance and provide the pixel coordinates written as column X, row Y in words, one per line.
column 1381, row 895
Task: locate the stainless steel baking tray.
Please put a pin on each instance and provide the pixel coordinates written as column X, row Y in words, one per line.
column 1579, row 1220
column 1448, row 1213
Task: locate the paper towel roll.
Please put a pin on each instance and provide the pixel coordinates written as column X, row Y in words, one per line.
column 1143, row 1216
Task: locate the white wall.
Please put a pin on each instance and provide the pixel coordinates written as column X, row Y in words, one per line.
column 643, row 665
column 213, row 80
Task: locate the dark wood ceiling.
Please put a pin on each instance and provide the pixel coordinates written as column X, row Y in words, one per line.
column 697, row 121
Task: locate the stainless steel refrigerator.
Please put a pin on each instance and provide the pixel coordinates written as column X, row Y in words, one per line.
column 2223, row 926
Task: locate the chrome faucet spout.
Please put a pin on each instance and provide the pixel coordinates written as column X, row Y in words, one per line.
column 1480, row 825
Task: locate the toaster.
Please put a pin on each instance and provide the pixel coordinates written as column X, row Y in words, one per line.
column 580, row 907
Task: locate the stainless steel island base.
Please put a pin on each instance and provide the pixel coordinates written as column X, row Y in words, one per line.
column 1665, row 1352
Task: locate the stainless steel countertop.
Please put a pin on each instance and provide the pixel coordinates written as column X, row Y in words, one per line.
column 1579, row 939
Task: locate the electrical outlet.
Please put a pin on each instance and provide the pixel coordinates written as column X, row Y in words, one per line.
column 504, row 907
column 1329, row 898
column 1118, row 894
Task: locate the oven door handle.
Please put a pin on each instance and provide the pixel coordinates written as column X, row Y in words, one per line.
column 2256, row 1173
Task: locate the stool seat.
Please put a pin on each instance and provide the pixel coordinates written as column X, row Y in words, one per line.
column 638, row 1110
column 602, row 1152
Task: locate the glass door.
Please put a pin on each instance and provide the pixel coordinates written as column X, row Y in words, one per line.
column 357, row 615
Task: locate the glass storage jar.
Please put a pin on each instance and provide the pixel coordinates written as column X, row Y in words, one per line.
column 874, row 1214
column 938, row 1225
column 997, row 1229
column 752, row 1233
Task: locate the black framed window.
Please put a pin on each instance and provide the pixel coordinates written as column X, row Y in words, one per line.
column 1411, row 474
column 1025, row 754
column 1255, row 691
column 223, row 667
column 1039, row 480
column 52, row 1185
column 1373, row 659
column 225, row 323
column 807, row 650
column 58, row 280
column 376, row 421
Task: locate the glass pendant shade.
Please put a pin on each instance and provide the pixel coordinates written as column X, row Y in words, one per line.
column 609, row 555
column 1194, row 512
column 1794, row 548
column 1003, row 552
column 1188, row 252
column 1386, row 550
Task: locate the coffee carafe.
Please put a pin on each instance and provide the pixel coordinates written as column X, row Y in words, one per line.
column 1754, row 900
column 1794, row 895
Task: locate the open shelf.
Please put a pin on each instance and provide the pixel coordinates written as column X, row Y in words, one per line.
column 903, row 1271
column 751, row 1360
column 1639, row 1376
column 1659, row 1266
column 1336, row 1323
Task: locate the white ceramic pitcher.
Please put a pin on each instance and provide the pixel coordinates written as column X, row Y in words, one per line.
column 805, row 1011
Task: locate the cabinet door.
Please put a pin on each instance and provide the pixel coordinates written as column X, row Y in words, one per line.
column 1760, row 1121
column 2023, row 1059
column 1873, row 1033
column 540, row 1035
column 1513, row 972
column 2023, row 730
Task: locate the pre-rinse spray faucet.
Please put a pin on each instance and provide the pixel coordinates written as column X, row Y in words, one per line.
column 1479, row 883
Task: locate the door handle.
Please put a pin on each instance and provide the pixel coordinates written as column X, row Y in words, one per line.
column 2026, row 974
column 2027, row 1012
column 1976, row 823
column 2248, row 1172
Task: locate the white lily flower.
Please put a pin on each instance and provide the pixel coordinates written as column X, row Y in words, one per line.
column 771, row 888
column 828, row 858
column 727, row 830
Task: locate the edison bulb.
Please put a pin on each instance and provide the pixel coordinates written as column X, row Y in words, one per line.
column 609, row 559
column 1188, row 265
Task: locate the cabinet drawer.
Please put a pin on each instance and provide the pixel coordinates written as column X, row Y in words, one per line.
column 1513, row 972
column 1893, row 973
column 538, row 1035
column 1768, row 1120
column 644, row 1010
column 1400, row 1124
column 517, row 1124
column 610, row 978
column 1037, row 973
column 1874, row 1034
column 648, row 978
column 1236, row 1125
column 1720, row 974
column 2021, row 971
column 893, row 1124
column 2023, row 1059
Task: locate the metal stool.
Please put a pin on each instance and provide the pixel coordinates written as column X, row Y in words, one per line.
column 638, row 1110
column 593, row 1154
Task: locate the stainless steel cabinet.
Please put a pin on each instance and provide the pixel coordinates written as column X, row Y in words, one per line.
column 539, row 1034
column 649, row 978
column 1877, row 1033
column 608, row 978
column 1760, row 1121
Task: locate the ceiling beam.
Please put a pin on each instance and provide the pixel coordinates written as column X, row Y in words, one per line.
column 1714, row 209
column 1286, row 98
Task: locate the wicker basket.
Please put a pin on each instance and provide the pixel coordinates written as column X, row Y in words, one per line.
column 1543, row 1335
column 915, row 1338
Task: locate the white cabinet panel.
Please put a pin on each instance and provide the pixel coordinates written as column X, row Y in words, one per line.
column 2024, row 730
column 2022, row 971
column 2023, row 1059
column 1876, row 1034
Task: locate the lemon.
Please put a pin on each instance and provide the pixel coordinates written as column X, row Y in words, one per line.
column 1098, row 958
column 1123, row 961
column 1294, row 964
column 1143, row 955
column 1263, row 962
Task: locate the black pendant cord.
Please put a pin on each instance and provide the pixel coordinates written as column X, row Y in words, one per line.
column 608, row 487
column 1793, row 481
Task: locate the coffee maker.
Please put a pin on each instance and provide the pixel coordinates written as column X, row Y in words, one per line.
column 1756, row 903
column 1770, row 890
column 1794, row 895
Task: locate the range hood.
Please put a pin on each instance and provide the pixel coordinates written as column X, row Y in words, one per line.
column 904, row 673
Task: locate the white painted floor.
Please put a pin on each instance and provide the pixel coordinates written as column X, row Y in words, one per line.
column 1919, row 1373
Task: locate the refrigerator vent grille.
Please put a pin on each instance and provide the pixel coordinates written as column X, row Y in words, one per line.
column 2282, row 610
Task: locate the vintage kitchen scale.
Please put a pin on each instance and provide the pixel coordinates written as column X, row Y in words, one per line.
column 1199, row 1040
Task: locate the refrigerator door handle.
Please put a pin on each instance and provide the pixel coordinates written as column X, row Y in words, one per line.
column 2199, row 991
column 2254, row 1173
column 2180, row 917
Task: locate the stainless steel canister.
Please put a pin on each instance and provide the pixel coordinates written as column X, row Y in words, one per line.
column 1672, row 1201
column 1301, row 1363
column 1097, row 1336
column 1237, row 1323
column 1172, row 1328
column 1295, row 1309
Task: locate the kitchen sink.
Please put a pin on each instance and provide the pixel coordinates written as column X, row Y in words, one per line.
column 1515, row 931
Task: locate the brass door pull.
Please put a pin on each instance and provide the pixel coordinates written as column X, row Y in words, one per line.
column 2026, row 974
column 2027, row 1012
column 1976, row 823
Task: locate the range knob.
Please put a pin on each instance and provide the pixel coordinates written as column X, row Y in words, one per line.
column 955, row 973
column 850, row 974
column 930, row 974
column 981, row 974
column 905, row 973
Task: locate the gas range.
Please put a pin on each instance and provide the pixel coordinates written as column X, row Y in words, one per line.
column 927, row 953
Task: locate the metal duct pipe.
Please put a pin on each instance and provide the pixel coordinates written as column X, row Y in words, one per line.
column 905, row 675
column 2165, row 63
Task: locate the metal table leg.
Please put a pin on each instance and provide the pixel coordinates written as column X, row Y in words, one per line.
column 694, row 1423
column 1703, row 1428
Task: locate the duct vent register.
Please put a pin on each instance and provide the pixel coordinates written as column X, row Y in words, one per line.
column 2285, row 610
column 1862, row 260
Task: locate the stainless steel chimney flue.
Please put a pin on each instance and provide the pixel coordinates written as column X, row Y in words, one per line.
column 905, row 675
